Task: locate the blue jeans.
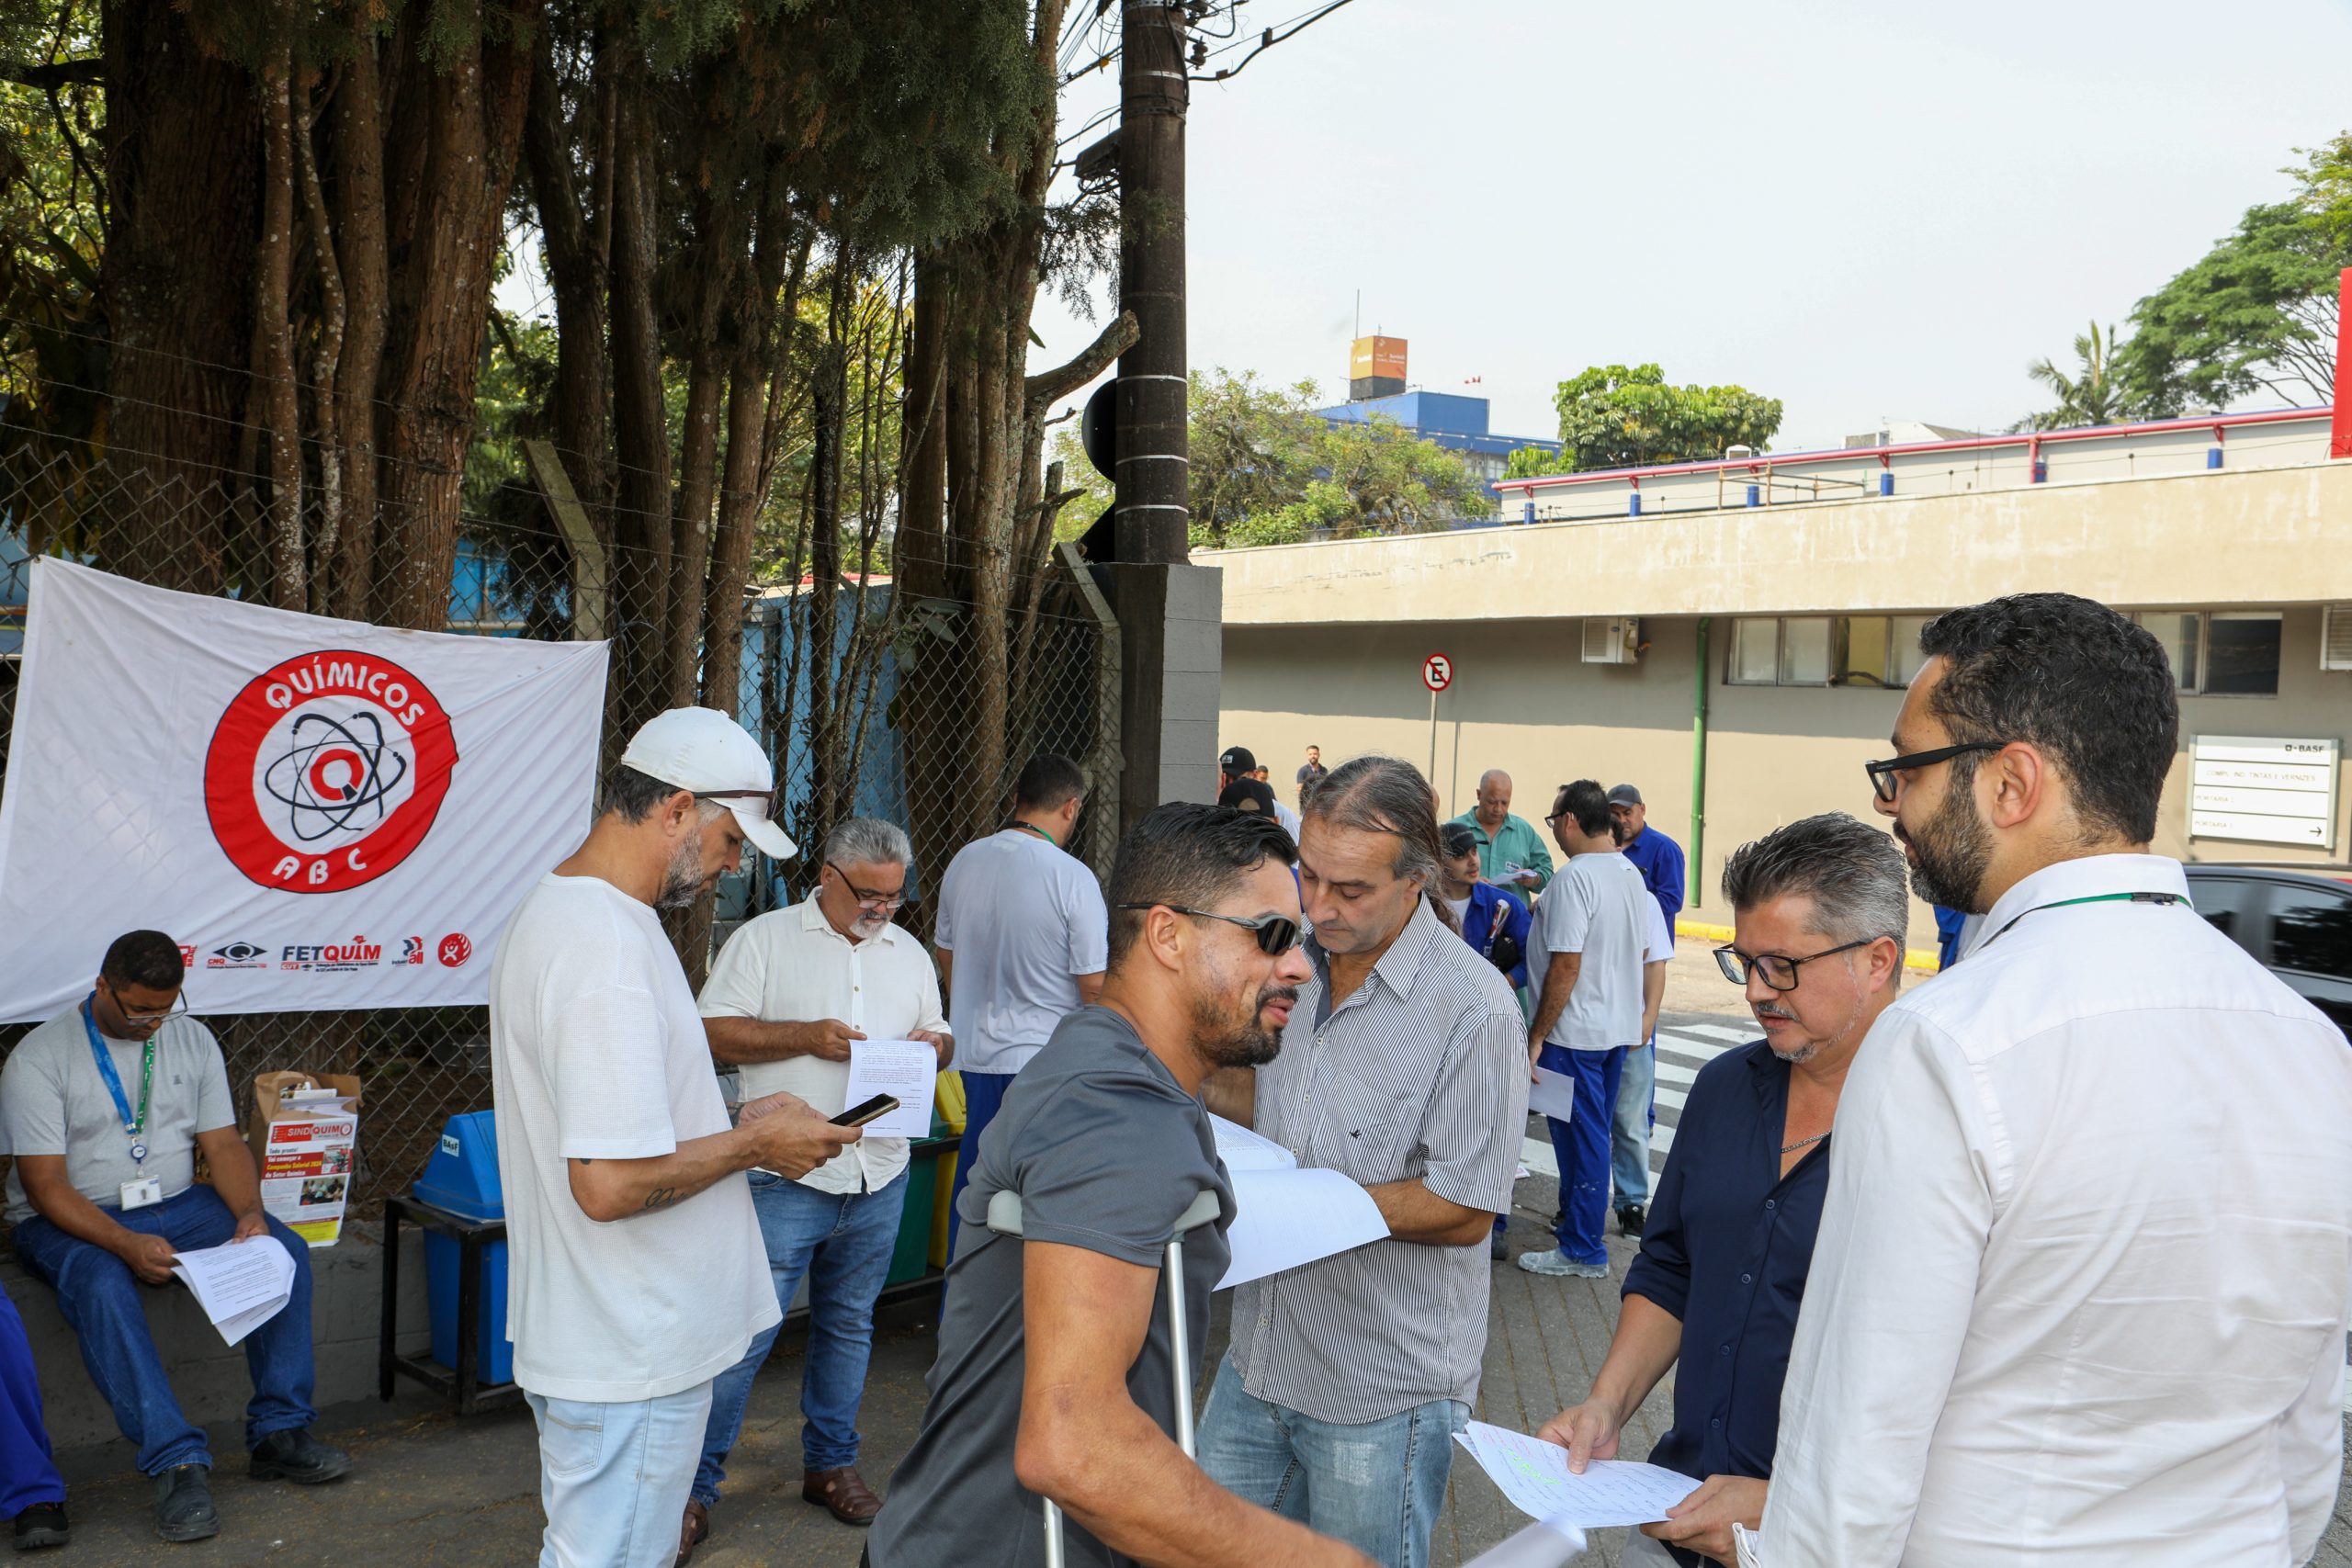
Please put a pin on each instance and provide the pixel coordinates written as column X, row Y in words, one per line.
column 1378, row 1485
column 100, row 1297
column 613, row 1477
column 1581, row 1146
column 27, row 1474
column 983, row 1098
column 1629, row 1134
column 843, row 1242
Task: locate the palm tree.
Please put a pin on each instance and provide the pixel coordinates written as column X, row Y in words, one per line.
column 2089, row 398
column 2094, row 396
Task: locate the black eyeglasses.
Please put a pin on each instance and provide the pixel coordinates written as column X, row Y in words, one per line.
column 1275, row 934
column 1888, row 786
column 866, row 899
column 1778, row 973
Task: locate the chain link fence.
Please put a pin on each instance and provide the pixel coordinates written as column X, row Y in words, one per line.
column 869, row 700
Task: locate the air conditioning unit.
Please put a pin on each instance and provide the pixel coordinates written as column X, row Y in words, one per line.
column 1613, row 639
column 2336, row 638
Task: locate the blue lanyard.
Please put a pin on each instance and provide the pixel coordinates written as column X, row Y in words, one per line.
column 113, row 1081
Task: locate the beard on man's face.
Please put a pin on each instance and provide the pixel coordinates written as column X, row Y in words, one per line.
column 1951, row 852
column 682, row 880
column 1231, row 1036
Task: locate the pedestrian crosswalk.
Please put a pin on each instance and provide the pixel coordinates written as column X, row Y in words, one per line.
column 1684, row 1048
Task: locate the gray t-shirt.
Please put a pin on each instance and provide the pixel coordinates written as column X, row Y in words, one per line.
column 1023, row 919
column 1106, row 1150
column 52, row 1102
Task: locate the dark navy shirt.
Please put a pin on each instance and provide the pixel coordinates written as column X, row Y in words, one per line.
column 1726, row 1249
column 1659, row 860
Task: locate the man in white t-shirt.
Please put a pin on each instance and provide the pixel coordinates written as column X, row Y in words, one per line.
column 635, row 1256
column 1593, row 926
column 790, row 996
column 1023, row 937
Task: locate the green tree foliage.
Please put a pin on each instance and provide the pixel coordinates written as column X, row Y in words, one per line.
column 2257, row 311
column 2093, row 395
column 1533, row 463
column 1616, row 416
column 1267, row 470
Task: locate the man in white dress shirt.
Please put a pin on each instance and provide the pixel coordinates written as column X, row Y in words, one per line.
column 2080, row 1291
column 790, row 994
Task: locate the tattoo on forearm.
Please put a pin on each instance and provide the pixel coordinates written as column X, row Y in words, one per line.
column 660, row 1198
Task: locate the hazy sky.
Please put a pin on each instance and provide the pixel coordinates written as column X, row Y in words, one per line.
column 1863, row 210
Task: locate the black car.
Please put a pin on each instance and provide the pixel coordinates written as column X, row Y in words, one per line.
column 2297, row 924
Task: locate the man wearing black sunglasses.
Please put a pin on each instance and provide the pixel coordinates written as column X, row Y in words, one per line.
column 2083, row 1251
column 1052, row 1380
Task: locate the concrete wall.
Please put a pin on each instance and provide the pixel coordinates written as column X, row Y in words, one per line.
column 2256, row 538
column 209, row 1377
column 1523, row 701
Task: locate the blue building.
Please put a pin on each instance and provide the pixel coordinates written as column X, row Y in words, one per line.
column 1451, row 421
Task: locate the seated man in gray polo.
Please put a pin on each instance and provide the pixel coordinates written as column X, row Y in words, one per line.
column 106, row 1105
column 1401, row 1067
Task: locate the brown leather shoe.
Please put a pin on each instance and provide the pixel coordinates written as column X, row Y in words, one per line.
column 693, row 1530
column 842, row 1493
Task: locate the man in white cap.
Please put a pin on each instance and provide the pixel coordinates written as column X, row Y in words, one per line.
column 637, row 1270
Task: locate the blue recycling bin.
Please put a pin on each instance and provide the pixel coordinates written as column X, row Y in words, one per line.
column 462, row 1177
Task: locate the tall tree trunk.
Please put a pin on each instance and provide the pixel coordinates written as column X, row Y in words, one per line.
column 328, row 357
column 577, row 235
column 275, row 397
column 742, row 489
column 641, row 506
column 690, row 522
column 359, row 226
column 182, row 158
column 441, row 304
column 829, row 397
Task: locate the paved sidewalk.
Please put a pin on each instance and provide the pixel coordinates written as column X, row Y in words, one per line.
column 436, row 1491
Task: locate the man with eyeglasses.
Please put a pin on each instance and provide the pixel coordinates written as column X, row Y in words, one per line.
column 1053, row 1379
column 106, row 1108
column 1595, row 929
column 1819, row 912
column 789, row 997
column 1400, row 1069
column 2083, row 1265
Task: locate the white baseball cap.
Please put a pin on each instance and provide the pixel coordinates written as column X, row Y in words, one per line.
column 704, row 750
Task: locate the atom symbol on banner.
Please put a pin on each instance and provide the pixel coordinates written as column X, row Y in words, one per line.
column 335, row 776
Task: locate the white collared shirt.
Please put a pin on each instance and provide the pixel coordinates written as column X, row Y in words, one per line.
column 791, row 966
column 2080, row 1292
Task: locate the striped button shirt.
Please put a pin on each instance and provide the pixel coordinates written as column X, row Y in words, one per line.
column 1419, row 1073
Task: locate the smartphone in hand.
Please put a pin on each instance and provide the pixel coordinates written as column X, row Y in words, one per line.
column 859, row 1115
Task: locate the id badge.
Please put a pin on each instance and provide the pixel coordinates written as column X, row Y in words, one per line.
column 142, row 1193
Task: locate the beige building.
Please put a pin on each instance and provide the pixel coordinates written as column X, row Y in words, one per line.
column 1762, row 645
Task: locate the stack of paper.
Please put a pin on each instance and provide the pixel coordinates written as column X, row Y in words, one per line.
column 1286, row 1217
column 1534, row 1475
column 240, row 1286
column 906, row 1070
column 1242, row 1150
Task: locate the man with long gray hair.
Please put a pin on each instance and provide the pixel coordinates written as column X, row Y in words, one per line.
column 788, row 999
column 1819, row 915
column 1400, row 1068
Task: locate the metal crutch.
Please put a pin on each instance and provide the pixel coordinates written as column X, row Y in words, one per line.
column 1004, row 1219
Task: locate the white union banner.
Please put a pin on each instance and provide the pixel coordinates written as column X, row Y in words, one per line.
column 323, row 814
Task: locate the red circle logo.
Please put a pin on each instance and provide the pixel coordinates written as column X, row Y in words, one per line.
column 454, row 950
column 326, row 770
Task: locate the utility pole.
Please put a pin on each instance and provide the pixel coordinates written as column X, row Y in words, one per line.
column 1170, row 612
column 1154, row 511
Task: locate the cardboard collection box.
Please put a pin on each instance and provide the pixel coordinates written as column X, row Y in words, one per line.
column 306, row 1150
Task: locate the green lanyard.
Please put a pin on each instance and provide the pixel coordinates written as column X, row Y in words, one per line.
column 2156, row 898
